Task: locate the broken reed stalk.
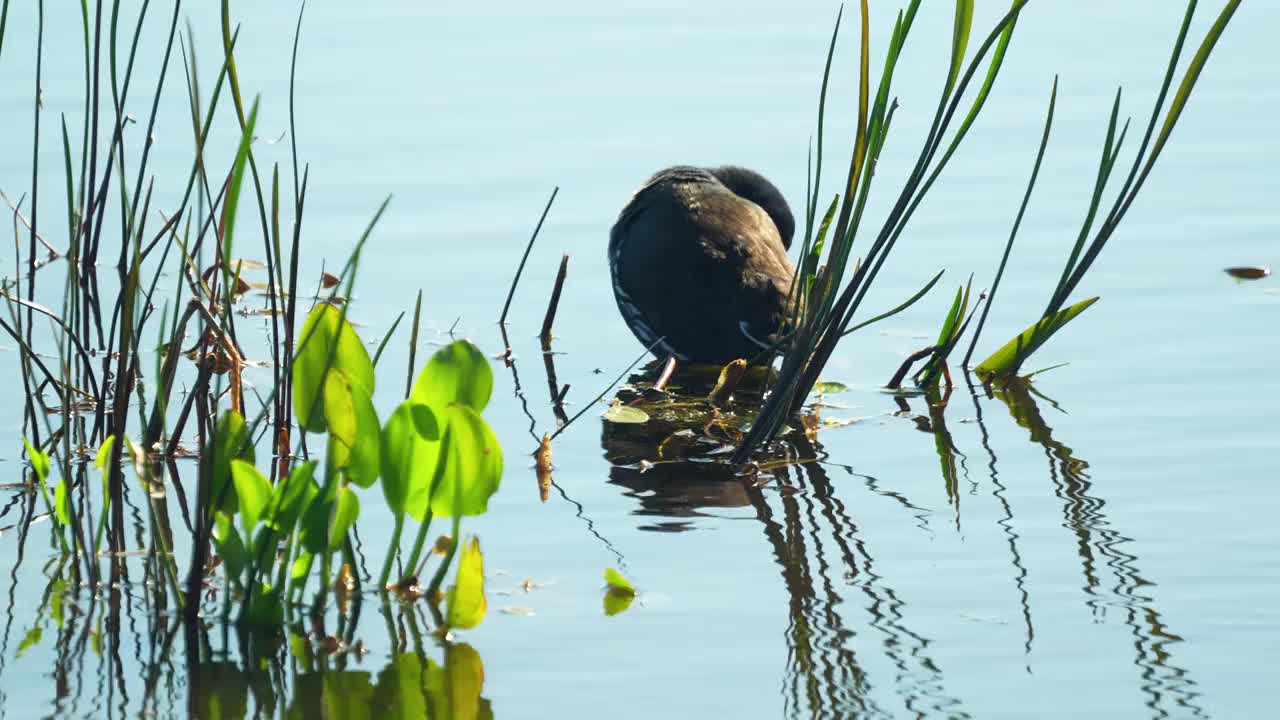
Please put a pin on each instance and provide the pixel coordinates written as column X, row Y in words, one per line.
column 502, row 319
column 895, row 382
column 554, row 304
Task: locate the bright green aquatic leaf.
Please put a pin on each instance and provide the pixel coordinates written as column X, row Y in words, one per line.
column 253, row 491
column 230, row 442
column 960, row 39
column 1009, row 358
column 327, row 341
column 353, row 428
column 616, row 601
column 616, row 581
column 466, row 604
column 104, row 453
column 30, row 640
column 235, row 557
column 327, row 518
column 952, row 320
column 39, row 461
column 346, row 509
column 831, row 388
column 62, row 503
column 290, row 497
column 472, row 467
column 301, row 566
column 411, row 452
column 457, row 373
column 626, row 415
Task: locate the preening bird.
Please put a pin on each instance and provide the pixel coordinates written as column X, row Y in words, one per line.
column 699, row 259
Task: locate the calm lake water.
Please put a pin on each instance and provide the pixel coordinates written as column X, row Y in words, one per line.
column 1110, row 549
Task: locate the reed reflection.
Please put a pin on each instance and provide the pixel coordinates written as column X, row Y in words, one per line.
column 120, row 653
column 817, row 545
column 1168, row 688
column 672, row 473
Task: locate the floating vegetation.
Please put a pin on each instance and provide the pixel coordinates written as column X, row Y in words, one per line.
column 619, row 592
column 1254, row 272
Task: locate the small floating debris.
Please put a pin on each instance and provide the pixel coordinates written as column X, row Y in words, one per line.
column 1254, row 272
column 626, row 415
column 830, row 388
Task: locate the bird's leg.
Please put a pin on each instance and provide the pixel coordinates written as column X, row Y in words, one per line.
column 668, row 370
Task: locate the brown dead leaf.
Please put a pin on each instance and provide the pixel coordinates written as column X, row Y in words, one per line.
column 542, row 467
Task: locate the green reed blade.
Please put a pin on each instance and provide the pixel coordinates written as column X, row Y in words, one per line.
column 1006, row 361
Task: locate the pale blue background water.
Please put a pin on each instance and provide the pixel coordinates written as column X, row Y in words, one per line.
column 469, row 115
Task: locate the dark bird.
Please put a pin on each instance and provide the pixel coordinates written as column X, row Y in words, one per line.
column 699, row 258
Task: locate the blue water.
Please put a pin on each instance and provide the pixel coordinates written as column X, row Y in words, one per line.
column 1123, row 564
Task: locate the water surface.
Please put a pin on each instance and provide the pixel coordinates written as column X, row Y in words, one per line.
column 1105, row 548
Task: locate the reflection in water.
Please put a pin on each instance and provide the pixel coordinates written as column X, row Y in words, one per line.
column 821, row 555
column 1168, row 688
column 119, row 658
column 819, row 551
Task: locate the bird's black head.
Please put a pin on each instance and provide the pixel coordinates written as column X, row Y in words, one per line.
column 753, row 186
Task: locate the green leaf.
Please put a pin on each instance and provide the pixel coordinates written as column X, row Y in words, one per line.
column 626, row 415
column 353, row 428
column 62, row 503
column 253, row 491
column 457, row 373
column 230, row 442
column 236, row 178
column 291, row 496
column 472, row 464
column 229, row 546
column 831, row 388
column 959, row 40
column 1008, row 359
column 466, row 603
column 616, row 581
column 411, row 452
column 301, row 566
column 1191, row 76
column 616, row 601
column 327, row 341
column 30, row 640
column 952, row 320
column 39, row 461
column 346, row 509
column 104, row 452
